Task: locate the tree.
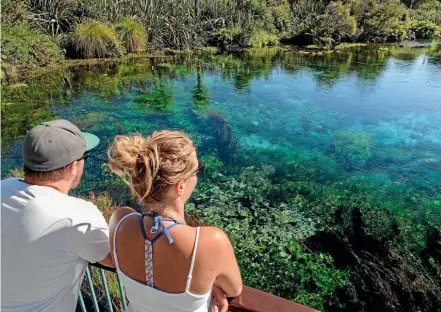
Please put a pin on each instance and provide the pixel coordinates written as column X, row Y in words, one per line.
column 335, row 25
column 387, row 21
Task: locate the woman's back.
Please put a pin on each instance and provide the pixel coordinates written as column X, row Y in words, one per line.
column 177, row 285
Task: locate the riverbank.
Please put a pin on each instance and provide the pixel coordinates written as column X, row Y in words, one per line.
column 22, row 74
column 36, row 39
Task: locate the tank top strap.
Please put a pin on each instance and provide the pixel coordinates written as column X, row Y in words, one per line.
column 115, row 255
column 141, row 226
column 193, row 257
column 158, row 221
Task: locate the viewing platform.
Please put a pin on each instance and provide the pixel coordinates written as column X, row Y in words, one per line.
column 250, row 300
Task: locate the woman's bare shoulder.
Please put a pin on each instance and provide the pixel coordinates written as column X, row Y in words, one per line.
column 213, row 237
column 118, row 214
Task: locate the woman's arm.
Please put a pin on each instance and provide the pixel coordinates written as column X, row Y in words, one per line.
column 222, row 256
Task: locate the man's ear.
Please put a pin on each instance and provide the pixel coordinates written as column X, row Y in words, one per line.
column 73, row 168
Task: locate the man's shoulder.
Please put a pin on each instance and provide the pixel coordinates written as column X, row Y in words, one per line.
column 8, row 182
column 84, row 210
column 76, row 209
column 80, row 202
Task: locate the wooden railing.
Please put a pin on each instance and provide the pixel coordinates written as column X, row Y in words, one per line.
column 253, row 300
column 250, row 300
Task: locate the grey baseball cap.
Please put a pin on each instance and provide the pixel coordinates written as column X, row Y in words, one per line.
column 55, row 144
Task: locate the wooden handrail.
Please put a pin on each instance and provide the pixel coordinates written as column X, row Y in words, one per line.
column 253, row 300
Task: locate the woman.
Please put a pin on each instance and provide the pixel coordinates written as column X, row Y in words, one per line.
column 164, row 264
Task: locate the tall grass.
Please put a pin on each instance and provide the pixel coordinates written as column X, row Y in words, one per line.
column 94, row 39
column 16, row 173
column 132, row 35
column 104, row 203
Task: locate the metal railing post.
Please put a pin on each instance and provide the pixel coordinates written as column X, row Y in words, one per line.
column 106, row 290
column 82, row 305
column 121, row 293
column 92, row 290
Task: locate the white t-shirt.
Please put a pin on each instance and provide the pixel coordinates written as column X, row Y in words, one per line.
column 48, row 238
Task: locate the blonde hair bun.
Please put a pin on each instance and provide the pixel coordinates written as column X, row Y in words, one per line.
column 149, row 164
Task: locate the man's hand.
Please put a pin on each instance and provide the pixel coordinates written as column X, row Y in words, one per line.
column 219, row 302
column 108, row 261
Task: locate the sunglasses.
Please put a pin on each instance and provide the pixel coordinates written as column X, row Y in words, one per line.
column 85, row 156
column 200, row 169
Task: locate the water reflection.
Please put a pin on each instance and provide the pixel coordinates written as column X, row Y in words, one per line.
column 150, row 81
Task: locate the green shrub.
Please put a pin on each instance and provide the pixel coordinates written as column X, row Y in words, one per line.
column 95, row 39
column 237, row 38
column 229, row 39
column 132, row 35
column 324, row 43
column 13, row 12
column 429, row 10
column 425, row 30
column 383, row 22
column 328, row 29
column 26, row 48
column 282, row 17
column 335, row 25
column 261, row 38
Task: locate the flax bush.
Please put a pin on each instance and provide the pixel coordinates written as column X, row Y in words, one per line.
column 94, row 39
column 132, row 35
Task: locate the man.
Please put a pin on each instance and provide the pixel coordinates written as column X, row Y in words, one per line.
column 48, row 237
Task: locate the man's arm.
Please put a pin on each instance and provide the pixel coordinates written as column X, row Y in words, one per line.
column 90, row 239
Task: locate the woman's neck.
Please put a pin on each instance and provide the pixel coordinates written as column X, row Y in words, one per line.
column 170, row 211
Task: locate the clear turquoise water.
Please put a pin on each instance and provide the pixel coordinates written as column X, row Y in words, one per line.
column 373, row 115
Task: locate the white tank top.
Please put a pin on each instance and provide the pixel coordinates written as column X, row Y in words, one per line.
column 144, row 298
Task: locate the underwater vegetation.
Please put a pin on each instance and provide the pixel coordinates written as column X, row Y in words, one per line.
column 225, row 142
column 159, row 97
column 320, row 245
column 354, row 147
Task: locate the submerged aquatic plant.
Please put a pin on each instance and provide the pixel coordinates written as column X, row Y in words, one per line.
column 159, row 98
column 226, row 144
column 354, row 147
